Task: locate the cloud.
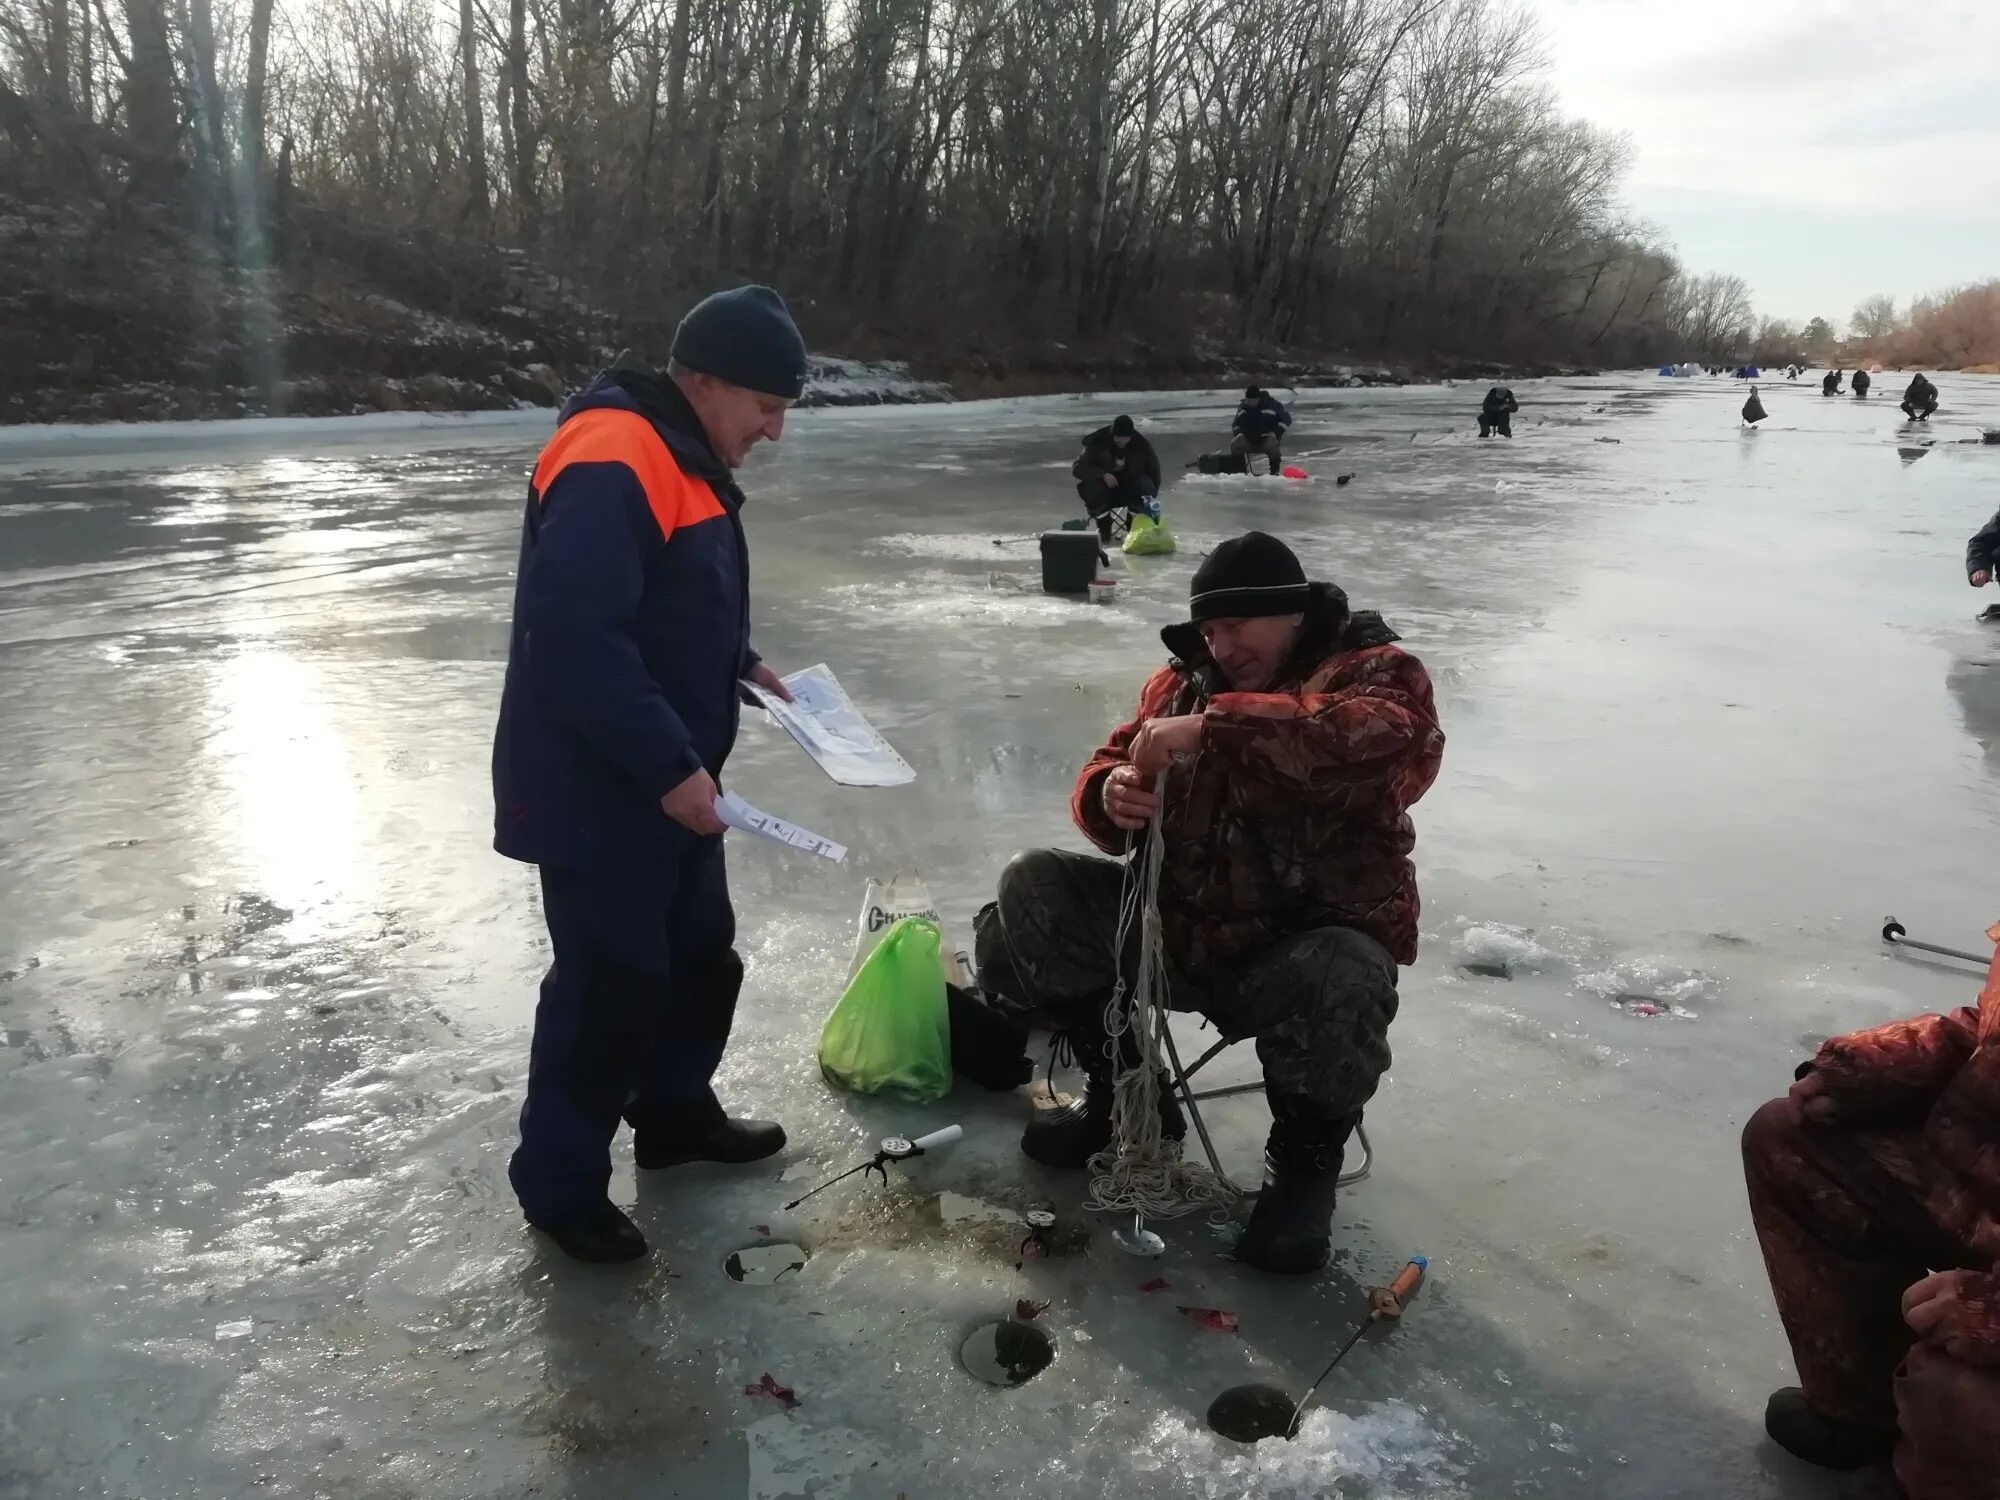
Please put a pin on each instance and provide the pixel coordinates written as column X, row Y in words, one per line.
column 1857, row 112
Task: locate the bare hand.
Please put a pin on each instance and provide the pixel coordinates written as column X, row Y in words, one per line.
column 1935, row 1310
column 1111, row 481
column 769, row 681
column 692, row 805
column 1160, row 740
column 1809, row 1098
column 1128, row 801
column 1980, row 579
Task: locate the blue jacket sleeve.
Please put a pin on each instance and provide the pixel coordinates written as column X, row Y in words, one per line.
column 579, row 590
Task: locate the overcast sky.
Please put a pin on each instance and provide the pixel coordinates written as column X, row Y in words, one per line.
column 1820, row 149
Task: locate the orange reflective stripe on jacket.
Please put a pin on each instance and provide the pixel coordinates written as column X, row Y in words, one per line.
column 609, row 435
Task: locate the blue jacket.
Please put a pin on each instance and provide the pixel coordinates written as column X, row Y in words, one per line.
column 1268, row 418
column 631, row 631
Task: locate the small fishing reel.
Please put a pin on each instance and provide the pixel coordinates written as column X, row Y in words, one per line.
column 1036, row 1246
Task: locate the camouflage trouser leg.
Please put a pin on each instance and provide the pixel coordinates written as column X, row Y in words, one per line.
column 1044, row 944
column 1319, row 1005
column 1845, row 1223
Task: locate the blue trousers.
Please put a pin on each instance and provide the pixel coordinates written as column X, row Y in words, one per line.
column 634, row 1014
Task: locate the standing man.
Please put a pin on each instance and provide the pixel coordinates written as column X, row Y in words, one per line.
column 1261, row 420
column 1117, row 470
column 630, row 642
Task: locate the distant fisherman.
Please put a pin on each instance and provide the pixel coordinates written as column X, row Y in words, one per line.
column 1496, row 412
column 1831, row 385
column 1753, row 409
column 1862, row 380
column 1982, row 560
column 1920, row 399
column 1117, row 470
column 1259, row 427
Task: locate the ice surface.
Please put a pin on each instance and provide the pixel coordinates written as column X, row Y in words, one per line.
column 1715, row 708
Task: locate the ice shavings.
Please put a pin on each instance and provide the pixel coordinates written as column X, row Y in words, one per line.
column 1498, row 950
column 1388, row 1452
column 1651, row 987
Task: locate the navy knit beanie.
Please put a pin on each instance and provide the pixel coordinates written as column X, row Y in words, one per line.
column 1248, row 577
column 746, row 337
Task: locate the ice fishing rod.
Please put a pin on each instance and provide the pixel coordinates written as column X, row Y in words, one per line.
column 1249, row 1413
column 1893, row 935
column 893, row 1148
column 1383, row 1302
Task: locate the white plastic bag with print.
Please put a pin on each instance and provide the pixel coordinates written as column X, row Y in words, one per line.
column 884, row 904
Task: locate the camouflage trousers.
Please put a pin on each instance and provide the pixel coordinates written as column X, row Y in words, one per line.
column 1319, row 1002
column 1842, row 1217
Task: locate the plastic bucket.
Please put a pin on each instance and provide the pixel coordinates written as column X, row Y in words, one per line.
column 1103, row 590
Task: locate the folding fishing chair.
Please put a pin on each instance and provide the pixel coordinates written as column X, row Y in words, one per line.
column 1183, row 1085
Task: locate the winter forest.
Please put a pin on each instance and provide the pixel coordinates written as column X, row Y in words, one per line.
column 924, row 178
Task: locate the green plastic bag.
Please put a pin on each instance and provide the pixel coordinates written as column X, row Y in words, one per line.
column 891, row 1031
column 1148, row 538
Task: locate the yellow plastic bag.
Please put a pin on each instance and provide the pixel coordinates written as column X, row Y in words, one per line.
column 1147, row 537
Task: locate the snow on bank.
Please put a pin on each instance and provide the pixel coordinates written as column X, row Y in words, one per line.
column 834, row 381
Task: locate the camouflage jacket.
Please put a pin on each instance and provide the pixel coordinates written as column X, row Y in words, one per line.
column 1940, row 1075
column 1295, row 812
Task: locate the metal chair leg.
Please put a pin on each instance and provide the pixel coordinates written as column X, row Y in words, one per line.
column 1189, row 1098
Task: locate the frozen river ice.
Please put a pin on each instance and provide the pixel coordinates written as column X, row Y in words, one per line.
column 1716, row 704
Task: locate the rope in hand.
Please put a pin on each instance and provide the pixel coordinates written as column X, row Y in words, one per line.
column 1142, row 1172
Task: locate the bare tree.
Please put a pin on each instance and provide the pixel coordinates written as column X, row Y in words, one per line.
column 1376, row 175
column 477, row 203
column 1875, row 318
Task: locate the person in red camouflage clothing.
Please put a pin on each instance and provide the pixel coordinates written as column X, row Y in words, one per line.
column 1875, row 1189
column 1294, row 736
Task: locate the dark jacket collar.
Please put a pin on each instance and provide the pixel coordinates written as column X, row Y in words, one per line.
column 633, row 385
column 1330, row 627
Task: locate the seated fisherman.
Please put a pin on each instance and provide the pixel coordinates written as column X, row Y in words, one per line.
column 1875, row 1190
column 1920, row 399
column 1496, row 412
column 1830, row 384
column 1117, row 470
column 1294, row 737
column 1259, row 427
column 1862, row 380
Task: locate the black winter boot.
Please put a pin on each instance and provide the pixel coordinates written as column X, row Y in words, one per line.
column 600, row 1235
column 1290, row 1232
column 1805, row 1434
column 704, row 1133
column 1070, row 1136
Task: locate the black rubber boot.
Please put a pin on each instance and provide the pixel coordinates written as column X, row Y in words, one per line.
column 705, row 1134
column 1290, row 1232
column 1805, row 1434
column 600, row 1235
column 1070, row 1136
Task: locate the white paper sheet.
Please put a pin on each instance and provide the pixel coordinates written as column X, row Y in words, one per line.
column 834, row 732
column 737, row 813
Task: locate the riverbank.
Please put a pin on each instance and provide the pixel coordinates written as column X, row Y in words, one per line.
column 146, row 325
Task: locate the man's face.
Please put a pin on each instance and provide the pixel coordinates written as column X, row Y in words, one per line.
column 1121, row 440
column 735, row 419
column 1251, row 651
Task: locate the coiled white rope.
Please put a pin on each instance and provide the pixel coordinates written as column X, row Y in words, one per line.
column 1142, row 1171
